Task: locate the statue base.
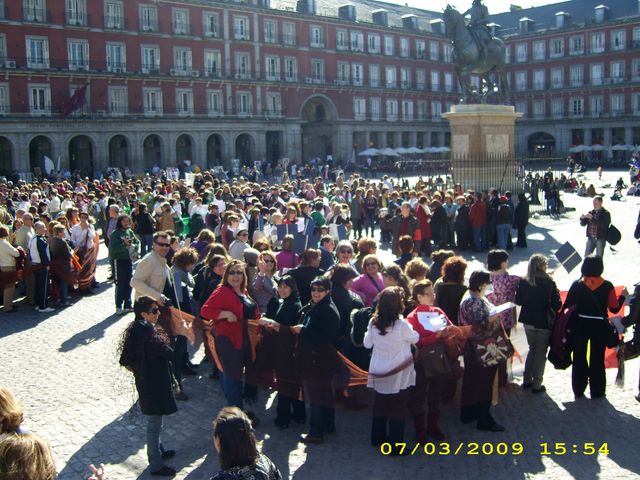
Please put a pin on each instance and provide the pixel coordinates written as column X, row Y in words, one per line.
column 483, row 146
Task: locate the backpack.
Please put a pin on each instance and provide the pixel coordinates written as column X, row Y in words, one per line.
column 561, row 345
column 360, row 321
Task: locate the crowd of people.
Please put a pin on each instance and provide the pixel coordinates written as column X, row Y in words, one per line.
column 282, row 286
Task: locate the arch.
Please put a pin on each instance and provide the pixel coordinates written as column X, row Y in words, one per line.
column 6, row 156
column 318, row 108
column 39, row 147
column 152, row 151
column 541, row 144
column 184, row 148
column 119, row 151
column 245, row 148
column 81, row 154
column 215, row 147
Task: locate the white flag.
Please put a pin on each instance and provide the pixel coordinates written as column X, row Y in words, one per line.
column 48, row 165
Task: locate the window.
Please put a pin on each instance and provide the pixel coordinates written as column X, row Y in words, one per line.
column 597, row 42
column 374, row 76
column 421, row 110
column 212, row 66
column 359, row 108
column 4, row 99
column 215, row 107
column 390, row 77
column 556, row 77
column 507, row 54
column 617, row 72
column 184, row 102
column 148, row 18
column 635, row 100
column 435, row 81
column 404, row 47
column 635, row 68
column 291, row 69
column 357, row 74
column 3, row 48
column 374, row 43
column 37, row 52
column 575, row 105
column 421, row 79
column 76, row 12
column 152, row 99
column 538, row 50
column 317, row 37
column 118, row 101
column 270, row 31
column 243, row 66
column 521, row 106
column 597, row 73
column 274, row 104
column 289, row 33
column 420, row 49
column 180, row 17
column 436, row 110
column 375, row 108
column 388, row 45
column 618, row 39
column 405, row 77
column 447, row 53
column 272, row 65
column 244, row 103
column 357, row 42
column 343, row 73
column 521, row 52
column 538, row 109
column 210, row 24
column 556, row 48
column 407, row 110
column 317, row 71
column 341, row 40
column 576, row 45
column 557, row 108
column 392, row 110
column 448, row 82
column 40, row 100
column 595, row 106
column 113, row 17
column 150, row 59
column 34, row 10
column 538, row 80
column 433, row 51
column 241, row 28
column 521, row 81
column 182, row 60
column 78, row 54
column 575, row 75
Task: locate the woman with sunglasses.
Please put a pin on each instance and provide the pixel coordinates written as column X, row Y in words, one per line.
column 145, row 350
column 229, row 309
column 316, row 358
column 344, row 255
column 370, row 283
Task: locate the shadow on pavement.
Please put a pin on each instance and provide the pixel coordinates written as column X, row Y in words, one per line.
column 90, row 335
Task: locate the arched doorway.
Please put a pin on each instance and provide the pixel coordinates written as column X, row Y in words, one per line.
column 81, row 154
column 39, row 147
column 184, row 148
column 152, row 148
column 6, row 156
column 318, row 125
column 119, row 151
column 244, row 149
column 541, row 144
column 214, row 151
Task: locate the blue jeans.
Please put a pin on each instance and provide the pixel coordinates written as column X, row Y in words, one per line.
column 146, row 242
column 154, row 444
column 124, row 272
column 479, row 237
column 502, row 232
column 63, row 287
column 232, row 364
column 596, row 244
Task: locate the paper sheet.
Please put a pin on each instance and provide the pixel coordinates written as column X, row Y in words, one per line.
column 432, row 321
column 501, row 308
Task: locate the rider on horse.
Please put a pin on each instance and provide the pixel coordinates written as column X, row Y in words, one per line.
column 478, row 24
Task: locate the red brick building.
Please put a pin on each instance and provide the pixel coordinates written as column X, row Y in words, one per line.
column 210, row 81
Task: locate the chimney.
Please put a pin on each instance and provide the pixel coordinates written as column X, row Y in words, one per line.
column 514, row 8
column 525, row 25
column 562, row 19
column 410, row 21
column 602, row 13
column 437, row 26
column 347, row 12
column 380, row 17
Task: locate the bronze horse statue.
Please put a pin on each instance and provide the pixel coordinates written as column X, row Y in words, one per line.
column 470, row 56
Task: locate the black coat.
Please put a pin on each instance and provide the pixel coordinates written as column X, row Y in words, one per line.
column 303, row 275
column 147, row 352
column 535, row 301
column 521, row 215
column 345, row 301
column 321, row 322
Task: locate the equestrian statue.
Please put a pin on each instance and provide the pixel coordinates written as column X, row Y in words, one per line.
column 476, row 51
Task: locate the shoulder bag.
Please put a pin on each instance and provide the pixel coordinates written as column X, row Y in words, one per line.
column 491, row 345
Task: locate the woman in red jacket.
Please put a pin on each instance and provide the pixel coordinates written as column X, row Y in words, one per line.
column 429, row 387
column 229, row 309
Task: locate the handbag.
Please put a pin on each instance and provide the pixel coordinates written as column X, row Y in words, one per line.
column 551, row 313
column 434, row 360
column 613, row 235
column 491, row 345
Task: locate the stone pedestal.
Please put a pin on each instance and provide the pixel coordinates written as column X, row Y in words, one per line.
column 483, row 145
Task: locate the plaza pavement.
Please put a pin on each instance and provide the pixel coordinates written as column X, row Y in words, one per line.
column 64, row 369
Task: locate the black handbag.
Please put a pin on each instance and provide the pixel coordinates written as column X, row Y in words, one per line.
column 613, row 235
column 435, row 362
column 491, row 345
column 551, row 313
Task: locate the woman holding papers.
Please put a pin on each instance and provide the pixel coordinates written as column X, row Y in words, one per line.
column 428, row 321
column 477, row 383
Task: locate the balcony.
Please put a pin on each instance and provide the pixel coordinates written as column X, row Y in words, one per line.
column 317, row 44
column 79, row 65
column 116, row 67
column 76, row 19
column 211, row 33
column 38, row 15
column 241, row 34
column 212, row 73
column 111, row 22
column 181, row 28
column 149, row 26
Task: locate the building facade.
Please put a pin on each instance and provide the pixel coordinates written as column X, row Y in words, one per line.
column 135, row 83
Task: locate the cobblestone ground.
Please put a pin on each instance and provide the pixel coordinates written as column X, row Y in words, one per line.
column 64, row 369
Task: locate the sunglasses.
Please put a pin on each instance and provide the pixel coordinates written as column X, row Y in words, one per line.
column 243, row 234
column 154, row 311
column 236, row 272
column 318, row 289
column 165, row 245
column 345, row 251
column 268, row 260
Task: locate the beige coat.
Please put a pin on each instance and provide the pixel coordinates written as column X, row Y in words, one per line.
column 150, row 276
